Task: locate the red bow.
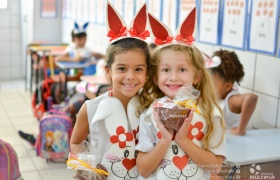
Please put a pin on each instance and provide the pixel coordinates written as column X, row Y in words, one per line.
column 169, row 39
column 143, row 35
column 113, row 35
column 188, row 40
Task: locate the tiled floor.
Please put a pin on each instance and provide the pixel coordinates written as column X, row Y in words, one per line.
column 16, row 114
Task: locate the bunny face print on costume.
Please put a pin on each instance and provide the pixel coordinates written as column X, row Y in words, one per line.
column 119, row 157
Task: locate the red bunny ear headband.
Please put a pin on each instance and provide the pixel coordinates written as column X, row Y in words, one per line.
column 117, row 28
column 184, row 35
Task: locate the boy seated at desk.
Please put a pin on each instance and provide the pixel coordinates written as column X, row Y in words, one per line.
column 78, row 52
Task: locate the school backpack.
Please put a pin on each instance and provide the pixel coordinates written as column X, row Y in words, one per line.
column 55, row 129
column 9, row 168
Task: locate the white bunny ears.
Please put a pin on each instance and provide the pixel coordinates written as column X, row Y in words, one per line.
column 80, row 29
column 117, row 28
column 184, row 35
column 211, row 62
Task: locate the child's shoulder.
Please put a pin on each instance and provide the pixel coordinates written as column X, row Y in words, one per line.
column 95, row 101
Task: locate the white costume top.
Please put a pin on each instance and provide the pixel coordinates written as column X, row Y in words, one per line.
column 113, row 134
column 232, row 119
column 73, row 51
column 176, row 164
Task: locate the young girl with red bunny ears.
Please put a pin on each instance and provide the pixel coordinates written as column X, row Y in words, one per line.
column 197, row 149
column 111, row 119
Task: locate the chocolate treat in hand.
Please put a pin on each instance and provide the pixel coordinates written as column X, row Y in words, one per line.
column 101, row 176
column 173, row 118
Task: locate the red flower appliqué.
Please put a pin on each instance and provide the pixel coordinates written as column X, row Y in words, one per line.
column 121, row 137
column 135, row 133
column 195, row 131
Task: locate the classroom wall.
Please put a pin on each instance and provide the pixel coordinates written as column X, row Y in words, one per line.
column 262, row 73
column 10, row 42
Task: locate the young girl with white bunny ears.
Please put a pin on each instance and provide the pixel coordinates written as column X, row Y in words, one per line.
column 197, row 149
column 111, row 119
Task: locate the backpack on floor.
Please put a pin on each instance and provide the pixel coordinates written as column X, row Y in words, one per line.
column 55, row 129
column 39, row 97
column 9, row 168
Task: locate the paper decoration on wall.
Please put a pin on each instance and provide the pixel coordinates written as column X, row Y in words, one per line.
column 185, row 7
column 154, row 7
column 93, row 11
column 208, row 21
column 263, row 26
column 234, row 23
column 129, row 10
column 101, row 11
column 48, row 8
column 170, row 14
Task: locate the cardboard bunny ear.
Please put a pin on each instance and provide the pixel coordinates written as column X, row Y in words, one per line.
column 138, row 25
column 117, row 28
column 184, row 35
column 78, row 29
column 185, row 32
column 161, row 34
column 211, row 62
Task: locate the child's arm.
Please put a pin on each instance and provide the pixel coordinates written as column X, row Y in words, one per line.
column 81, row 130
column 147, row 162
column 244, row 104
column 201, row 157
column 66, row 57
column 97, row 55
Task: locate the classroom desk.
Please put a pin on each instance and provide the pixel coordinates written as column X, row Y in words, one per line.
column 256, row 146
column 37, row 52
column 66, row 66
column 95, row 80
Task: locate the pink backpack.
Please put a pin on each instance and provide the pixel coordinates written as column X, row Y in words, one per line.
column 9, row 169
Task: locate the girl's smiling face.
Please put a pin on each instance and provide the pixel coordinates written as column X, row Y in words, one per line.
column 173, row 72
column 128, row 73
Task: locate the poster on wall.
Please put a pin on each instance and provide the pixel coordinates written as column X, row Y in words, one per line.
column 92, row 11
column 170, row 14
column 100, row 12
column 234, row 13
column 48, row 8
column 208, row 21
column 155, row 7
column 79, row 10
column 263, row 26
column 129, row 11
column 86, row 11
column 185, row 8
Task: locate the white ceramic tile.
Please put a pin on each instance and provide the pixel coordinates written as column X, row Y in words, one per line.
column 16, row 60
column 208, row 49
column 7, row 131
column 248, row 60
column 15, row 8
column 21, row 151
column 4, row 49
column 5, row 34
column 267, row 78
column 265, row 113
column 42, row 163
column 278, row 115
column 5, row 72
column 5, row 60
column 4, row 122
column 19, row 121
column 31, row 175
column 26, row 164
column 16, row 47
column 56, row 174
column 13, row 140
column 17, row 72
column 15, row 21
column 15, row 33
column 5, row 20
column 28, row 128
column 20, row 113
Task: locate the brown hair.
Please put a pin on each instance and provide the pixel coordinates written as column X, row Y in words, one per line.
column 207, row 99
column 230, row 69
column 124, row 45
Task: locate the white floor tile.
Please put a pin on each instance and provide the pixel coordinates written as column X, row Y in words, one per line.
column 56, row 174
column 41, row 164
column 31, row 175
column 18, row 121
column 7, row 131
column 13, row 140
column 5, row 122
column 21, row 151
column 26, row 164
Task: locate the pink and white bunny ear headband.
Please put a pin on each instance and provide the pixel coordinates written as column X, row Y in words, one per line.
column 80, row 29
column 184, row 34
column 117, row 28
column 211, row 62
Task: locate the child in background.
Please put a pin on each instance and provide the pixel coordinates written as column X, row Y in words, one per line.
column 238, row 108
column 197, row 149
column 78, row 52
column 111, row 119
